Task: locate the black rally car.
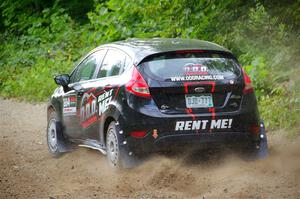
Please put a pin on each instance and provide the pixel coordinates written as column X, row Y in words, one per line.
column 138, row 96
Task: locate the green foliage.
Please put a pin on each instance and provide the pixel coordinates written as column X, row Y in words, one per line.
column 44, row 38
column 268, row 51
column 51, row 45
column 279, row 109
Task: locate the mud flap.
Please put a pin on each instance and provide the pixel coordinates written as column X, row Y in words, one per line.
column 63, row 145
column 262, row 151
column 128, row 161
column 127, row 158
column 259, row 149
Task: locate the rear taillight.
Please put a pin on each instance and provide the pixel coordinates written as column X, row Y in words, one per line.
column 255, row 129
column 248, row 85
column 137, row 85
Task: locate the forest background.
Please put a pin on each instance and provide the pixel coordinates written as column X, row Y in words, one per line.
column 42, row 38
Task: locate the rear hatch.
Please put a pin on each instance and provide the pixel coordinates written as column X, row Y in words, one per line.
column 197, row 81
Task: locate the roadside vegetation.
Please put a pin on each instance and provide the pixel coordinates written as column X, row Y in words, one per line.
column 41, row 38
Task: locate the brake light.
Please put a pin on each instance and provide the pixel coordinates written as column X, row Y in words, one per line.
column 137, row 85
column 138, row 134
column 255, row 129
column 248, row 84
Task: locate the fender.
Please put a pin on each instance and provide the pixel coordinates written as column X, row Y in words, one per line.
column 113, row 112
column 56, row 103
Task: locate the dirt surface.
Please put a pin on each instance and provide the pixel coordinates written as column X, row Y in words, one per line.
column 28, row 171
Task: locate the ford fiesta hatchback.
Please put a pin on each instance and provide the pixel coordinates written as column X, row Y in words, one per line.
column 139, row 96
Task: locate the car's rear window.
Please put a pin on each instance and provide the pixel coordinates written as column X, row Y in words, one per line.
column 190, row 67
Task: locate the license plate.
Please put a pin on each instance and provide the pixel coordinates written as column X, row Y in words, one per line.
column 199, row 100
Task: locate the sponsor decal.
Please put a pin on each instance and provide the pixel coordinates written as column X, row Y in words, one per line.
column 69, row 104
column 88, row 110
column 91, row 105
column 69, row 111
column 196, row 78
column 154, row 133
column 196, row 72
column 195, row 69
column 203, row 124
column 104, row 100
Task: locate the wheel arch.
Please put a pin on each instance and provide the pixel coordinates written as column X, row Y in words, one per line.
column 112, row 114
column 106, row 125
column 54, row 105
column 50, row 109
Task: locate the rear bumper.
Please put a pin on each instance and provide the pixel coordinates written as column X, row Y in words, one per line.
column 174, row 131
column 149, row 144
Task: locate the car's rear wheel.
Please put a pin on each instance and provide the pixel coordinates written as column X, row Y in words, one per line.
column 53, row 135
column 113, row 146
column 117, row 154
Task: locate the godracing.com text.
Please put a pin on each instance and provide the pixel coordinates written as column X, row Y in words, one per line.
column 196, row 77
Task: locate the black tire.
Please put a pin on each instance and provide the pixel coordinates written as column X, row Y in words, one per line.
column 53, row 134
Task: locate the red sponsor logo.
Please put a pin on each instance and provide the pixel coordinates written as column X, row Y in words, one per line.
column 195, row 69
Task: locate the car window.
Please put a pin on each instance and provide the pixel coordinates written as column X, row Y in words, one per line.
column 128, row 63
column 112, row 64
column 86, row 69
column 190, row 66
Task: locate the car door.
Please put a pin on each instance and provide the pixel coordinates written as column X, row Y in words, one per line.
column 76, row 99
column 108, row 84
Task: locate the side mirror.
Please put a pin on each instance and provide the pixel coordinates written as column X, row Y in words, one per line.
column 62, row 80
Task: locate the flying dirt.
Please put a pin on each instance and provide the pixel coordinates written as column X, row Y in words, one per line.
column 28, row 171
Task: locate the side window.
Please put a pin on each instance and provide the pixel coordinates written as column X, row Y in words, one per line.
column 112, row 64
column 86, row 69
column 128, row 63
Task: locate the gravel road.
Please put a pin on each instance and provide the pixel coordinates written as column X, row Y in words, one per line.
column 28, row 171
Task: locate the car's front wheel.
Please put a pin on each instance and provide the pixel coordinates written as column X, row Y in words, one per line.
column 53, row 135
